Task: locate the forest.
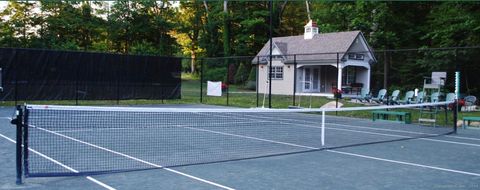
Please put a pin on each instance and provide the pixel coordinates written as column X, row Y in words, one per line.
column 199, row 29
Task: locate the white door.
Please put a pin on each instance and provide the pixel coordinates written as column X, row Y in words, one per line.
column 311, row 82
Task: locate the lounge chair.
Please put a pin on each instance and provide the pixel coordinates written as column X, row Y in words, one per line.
column 407, row 99
column 381, row 96
column 394, row 97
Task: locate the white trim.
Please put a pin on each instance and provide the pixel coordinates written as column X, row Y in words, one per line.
column 339, row 78
column 367, row 86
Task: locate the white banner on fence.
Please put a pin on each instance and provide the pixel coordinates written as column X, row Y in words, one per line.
column 214, row 88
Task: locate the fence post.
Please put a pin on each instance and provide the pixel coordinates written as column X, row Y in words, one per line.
column 201, row 80
column 294, row 78
column 457, row 93
column 256, row 77
column 338, row 84
column 228, row 78
column 15, row 97
column 385, row 70
column 118, row 86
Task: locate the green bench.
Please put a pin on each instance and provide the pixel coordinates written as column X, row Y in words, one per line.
column 468, row 120
column 405, row 117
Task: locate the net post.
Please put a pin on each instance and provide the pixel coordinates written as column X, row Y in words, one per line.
column 18, row 122
column 455, row 115
column 323, row 128
column 25, row 141
column 457, row 94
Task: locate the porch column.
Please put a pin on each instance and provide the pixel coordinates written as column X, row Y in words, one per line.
column 367, row 86
column 339, row 79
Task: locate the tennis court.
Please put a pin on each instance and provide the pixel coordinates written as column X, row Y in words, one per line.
column 218, row 148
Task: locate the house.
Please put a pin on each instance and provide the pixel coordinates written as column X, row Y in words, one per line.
column 316, row 63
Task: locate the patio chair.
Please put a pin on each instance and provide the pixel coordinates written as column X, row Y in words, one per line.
column 407, row 99
column 419, row 99
column 381, row 96
column 394, row 97
column 470, row 102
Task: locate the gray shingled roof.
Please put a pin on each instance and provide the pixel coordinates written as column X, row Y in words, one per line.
column 320, row 43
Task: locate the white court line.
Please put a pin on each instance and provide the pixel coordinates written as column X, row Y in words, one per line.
column 402, row 136
column 249, row 137
column 370, row 128
column 373, row 133
column 406, row 163
column 148, row 127
column 346, row 153
column 63, row 165
column 136, row 159
column 402, row 131
column 390, row 130
column 355, row 126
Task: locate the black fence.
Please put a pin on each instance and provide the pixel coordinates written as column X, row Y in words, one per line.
column 245, row 79
column 30, row 74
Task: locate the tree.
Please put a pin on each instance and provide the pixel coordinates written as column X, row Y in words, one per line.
column 226, row 30
column 133, row 22
column 188, row 30
column 18, row 29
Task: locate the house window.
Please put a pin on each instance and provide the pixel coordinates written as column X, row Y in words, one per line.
column 349, row 75
column 277, row 73
column 356, row 56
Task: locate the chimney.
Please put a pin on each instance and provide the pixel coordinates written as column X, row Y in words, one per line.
column 311, row 29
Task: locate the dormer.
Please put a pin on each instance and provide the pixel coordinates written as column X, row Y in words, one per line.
column 311, row 29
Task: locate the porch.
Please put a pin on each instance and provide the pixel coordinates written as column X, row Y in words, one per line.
column 321, row 80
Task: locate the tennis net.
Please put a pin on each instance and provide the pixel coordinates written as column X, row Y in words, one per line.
column 81, row 140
